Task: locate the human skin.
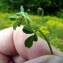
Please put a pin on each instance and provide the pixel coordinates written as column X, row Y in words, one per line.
column 13, row 50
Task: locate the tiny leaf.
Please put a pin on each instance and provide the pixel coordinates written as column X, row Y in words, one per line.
column 35, row 37
column 15, row 25
column 21, row 8
column 29, row 41
column 27, row 30
column 18, row 14
column 12, row 18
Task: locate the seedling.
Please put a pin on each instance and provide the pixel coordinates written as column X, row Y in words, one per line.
column 30, row 27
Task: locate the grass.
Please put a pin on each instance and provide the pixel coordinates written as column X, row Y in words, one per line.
column 4, row 20
column 51, row 26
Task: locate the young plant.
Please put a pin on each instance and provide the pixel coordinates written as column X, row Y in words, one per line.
column 30, row 27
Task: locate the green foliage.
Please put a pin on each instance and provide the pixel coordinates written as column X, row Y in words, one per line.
column 4, row 20
column 35, row 37
column 15, row 25
column 50, row 6
column 60, row 14
column 29, row 41
column 27, row 30
column 58, row 43
column 12, row 18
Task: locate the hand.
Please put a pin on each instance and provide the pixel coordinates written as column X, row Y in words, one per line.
column 13, row 50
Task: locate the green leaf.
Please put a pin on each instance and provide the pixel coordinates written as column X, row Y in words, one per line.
column 22, row 8
column 27, row 30
column 15, row 25
column 12, row 18
column 18, row 14
column 35, row 37
column 29, row 41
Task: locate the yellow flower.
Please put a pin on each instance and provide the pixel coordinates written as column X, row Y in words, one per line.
column 44, row 30
column 55, row 24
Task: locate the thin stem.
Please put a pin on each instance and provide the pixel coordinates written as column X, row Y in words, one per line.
column 47, row 42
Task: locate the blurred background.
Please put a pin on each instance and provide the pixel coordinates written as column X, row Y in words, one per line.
column 48, row 13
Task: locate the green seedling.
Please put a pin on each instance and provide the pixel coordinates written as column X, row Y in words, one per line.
column 30, row 27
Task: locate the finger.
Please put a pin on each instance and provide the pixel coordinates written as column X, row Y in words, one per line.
column 6, row 42
column 46, row 59
column 39, row 48
column 5, row 59
column 18, row 59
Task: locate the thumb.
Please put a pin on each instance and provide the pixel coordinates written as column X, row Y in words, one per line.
column 46, row 59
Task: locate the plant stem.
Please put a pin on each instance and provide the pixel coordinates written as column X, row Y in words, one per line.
column 47, row 42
